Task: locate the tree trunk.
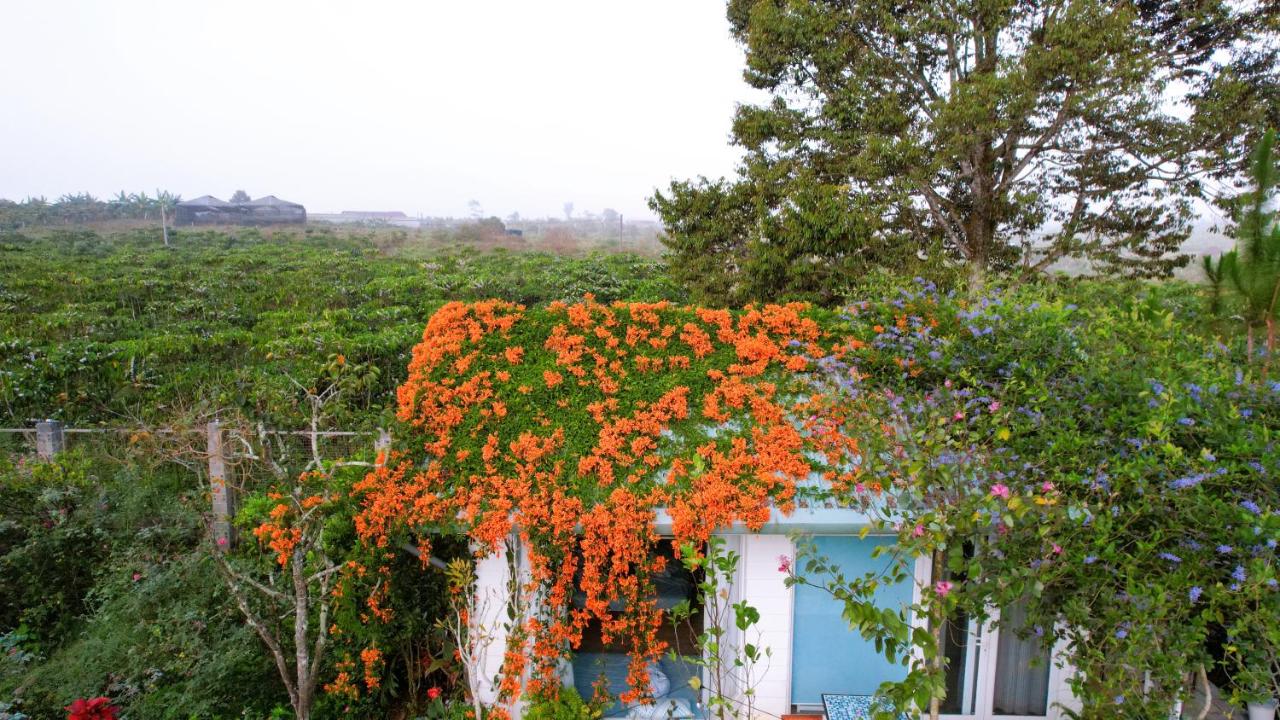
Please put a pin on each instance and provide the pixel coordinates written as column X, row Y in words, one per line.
column 300, row 621
column 1271, row 345
column 939, row 622
column 977, row 278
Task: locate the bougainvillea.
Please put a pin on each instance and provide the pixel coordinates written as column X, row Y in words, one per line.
column 99, row 708
column 568, row 426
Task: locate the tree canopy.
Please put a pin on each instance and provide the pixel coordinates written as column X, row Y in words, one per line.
column 995, row 133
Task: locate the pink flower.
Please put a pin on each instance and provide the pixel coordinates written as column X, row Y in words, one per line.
column 222, row 541
column 994, row 406
column 919, row 531
column 942, row 587
column 959, row 415
column 137, row 577
column 1057, row 549
column 1047, row 486
column 1000, row 490
column 784, row 564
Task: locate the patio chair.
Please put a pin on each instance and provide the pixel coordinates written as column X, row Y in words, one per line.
column 855, row 707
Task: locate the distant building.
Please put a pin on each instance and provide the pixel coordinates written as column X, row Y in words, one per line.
column 363, row 215
column 267, row 210
column 515, row 233
column 204, row 210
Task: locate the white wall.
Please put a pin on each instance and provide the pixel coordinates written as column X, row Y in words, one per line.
column 764, row 587
column 493, row 575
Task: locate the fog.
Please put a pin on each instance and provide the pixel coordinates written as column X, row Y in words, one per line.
column 414, row 106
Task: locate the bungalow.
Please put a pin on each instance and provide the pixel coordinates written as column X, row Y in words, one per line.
column 992, row 672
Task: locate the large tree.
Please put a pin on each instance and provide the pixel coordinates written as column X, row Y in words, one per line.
column 996, row 133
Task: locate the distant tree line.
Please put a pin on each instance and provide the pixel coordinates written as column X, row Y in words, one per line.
column 84, row 208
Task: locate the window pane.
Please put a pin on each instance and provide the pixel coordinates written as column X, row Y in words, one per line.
column 1022, row 668
column 954, row 643
column 827, row 656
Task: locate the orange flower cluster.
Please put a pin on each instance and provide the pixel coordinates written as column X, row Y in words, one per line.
column 569, row 426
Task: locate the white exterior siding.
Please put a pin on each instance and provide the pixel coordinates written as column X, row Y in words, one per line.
column 764, row 587
column 760, row 582
column 493, row 577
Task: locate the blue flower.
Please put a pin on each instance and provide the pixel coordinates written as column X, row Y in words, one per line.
column 1186, row 421
column 1119, row 699
column 1251, row 506
column 1157, row 388
column 1239, row 575
column 1195, row 593
column 1170, row 557
column 1091, row 559
column 1224, row 549
column 1122, row 633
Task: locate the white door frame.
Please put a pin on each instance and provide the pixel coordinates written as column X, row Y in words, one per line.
column 980, row 664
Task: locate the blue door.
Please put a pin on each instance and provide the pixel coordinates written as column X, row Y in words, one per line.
column 828, row 656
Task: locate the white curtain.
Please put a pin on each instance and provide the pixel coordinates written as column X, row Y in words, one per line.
column 1021, row 687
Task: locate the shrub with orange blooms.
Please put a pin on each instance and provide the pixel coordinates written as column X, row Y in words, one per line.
column 568, row 426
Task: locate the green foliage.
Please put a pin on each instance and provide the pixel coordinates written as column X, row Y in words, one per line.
column 93, row 329
column 1253, row 268
column 997, row 134
column 566, row 705
column 729, row 662
column 1080, row 450
column 83, row 208
column 106, row 591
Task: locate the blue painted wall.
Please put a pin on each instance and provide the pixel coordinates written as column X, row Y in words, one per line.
column 827, row 656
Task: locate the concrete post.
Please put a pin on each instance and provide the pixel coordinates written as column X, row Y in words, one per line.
column 221, row 493
column 382, row 446
column 49, row 439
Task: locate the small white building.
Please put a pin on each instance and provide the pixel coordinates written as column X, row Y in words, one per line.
column 992, row 672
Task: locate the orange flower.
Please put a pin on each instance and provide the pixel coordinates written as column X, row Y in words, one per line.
column 580, row 479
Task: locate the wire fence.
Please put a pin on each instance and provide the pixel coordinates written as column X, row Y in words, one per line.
column 229, row 461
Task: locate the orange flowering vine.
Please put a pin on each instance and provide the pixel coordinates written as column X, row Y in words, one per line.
column 569, row 426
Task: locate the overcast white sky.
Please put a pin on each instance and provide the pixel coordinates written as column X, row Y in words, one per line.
column 406, row 105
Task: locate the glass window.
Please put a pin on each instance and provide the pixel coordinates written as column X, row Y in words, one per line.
column 1022, row 668
column 828, row 656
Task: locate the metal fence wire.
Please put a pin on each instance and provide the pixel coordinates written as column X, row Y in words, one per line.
column 229, row 460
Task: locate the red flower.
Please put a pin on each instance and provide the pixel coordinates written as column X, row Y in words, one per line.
column 99, row 708
column 433, row 693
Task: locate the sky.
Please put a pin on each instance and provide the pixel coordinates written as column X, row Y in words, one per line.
column 414, row 105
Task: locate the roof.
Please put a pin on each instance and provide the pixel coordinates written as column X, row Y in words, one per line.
column 270, row 201
column 205, row 201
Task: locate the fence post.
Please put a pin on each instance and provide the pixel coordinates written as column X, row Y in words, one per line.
column 381, row 446
column 219, row 482
column 49, row 439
